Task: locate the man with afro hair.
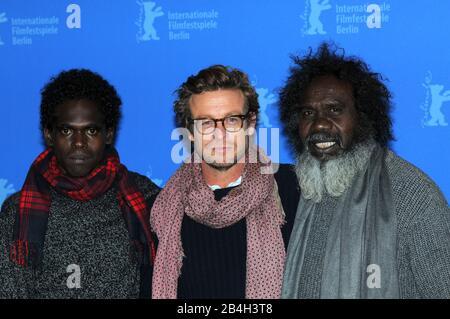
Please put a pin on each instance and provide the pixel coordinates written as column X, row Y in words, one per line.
column 369, row 224
column 79, row 227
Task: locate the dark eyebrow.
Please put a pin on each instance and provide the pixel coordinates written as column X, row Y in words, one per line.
column 69, row 125
column 210, row 118
column 199, row 119
column 334, row 101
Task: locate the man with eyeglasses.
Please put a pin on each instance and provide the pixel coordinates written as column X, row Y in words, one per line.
column 224, row 219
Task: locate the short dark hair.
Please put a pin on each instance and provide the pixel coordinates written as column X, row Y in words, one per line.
column 78, row 84
column 213, row 78
column 372, row 98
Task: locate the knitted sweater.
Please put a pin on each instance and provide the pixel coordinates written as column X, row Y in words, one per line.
column 423, row 236
column 91, row 237
column 215, row 259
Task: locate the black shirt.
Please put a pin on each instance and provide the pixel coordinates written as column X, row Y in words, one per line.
column 215, row 262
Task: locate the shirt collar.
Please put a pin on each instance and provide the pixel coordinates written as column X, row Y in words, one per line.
column 232, row 184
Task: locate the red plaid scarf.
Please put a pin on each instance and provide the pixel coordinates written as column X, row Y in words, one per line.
column 32, row 218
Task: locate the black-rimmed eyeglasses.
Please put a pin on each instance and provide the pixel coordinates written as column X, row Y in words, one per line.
column 232, row 124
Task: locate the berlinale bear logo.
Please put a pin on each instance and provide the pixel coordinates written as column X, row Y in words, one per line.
column 3, row 19
column 315, row 26
column 434, row 100
column 265, row 98
column 146, row 20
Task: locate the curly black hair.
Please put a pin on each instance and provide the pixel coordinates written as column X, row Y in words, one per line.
column 77, row 84
column 372, row 98
column 213, row 78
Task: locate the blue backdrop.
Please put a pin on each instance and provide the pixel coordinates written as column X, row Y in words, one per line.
column 146, row 49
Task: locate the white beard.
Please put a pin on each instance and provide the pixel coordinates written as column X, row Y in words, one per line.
column 332, row 177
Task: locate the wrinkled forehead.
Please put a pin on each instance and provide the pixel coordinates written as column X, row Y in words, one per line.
column 328, row 87
column 217, row 104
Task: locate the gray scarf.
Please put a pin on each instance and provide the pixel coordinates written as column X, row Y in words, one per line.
column 360, row 255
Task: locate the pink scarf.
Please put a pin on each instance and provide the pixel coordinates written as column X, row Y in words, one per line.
column 256, row 199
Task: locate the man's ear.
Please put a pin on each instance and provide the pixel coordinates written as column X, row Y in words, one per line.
column 191, row 136
column 109, row 136
column 190, row 127
column 48, row 137
column 251, row 129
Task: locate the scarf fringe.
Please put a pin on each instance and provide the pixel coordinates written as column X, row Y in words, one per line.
column 19, row 252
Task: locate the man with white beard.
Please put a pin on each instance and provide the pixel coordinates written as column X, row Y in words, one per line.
column 368, row 224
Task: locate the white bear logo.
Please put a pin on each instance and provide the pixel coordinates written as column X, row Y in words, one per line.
column 434, row 101
column 150, row 13
column 3, row 19
column 315, row 26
